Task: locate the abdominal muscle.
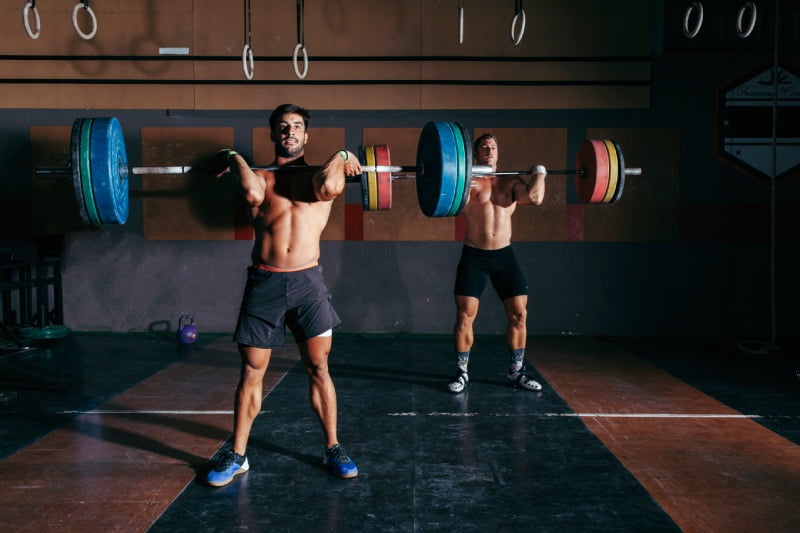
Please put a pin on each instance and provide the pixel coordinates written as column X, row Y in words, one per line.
column 287, row 233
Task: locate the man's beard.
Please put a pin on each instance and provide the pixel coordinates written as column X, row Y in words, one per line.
column 291, row 150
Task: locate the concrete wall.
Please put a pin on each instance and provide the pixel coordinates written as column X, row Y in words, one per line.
column 701, row 264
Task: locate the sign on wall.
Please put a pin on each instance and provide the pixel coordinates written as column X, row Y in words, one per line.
column 758, row 128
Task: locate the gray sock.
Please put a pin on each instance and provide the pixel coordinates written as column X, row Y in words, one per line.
column 462, row 360
column 517, row 358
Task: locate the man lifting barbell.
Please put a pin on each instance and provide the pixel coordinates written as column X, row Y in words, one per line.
column 486, row 256
column 288, row 212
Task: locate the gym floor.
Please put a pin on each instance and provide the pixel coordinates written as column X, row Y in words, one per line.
column 113, row 432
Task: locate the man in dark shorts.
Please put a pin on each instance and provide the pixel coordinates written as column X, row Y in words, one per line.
column 487, row 256
column 288, row 209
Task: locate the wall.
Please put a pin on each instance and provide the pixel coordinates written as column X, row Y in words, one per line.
column 686, row 251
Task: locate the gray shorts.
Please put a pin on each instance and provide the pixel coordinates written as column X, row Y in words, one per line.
column 274, row 300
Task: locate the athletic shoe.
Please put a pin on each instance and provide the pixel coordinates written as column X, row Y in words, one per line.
column 458, row 382
column 521, row 379
column 228, row 465
column 339, row 463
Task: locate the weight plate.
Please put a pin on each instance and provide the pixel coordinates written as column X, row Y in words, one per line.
column 613, row 171
column 461, row 171
column 77, row 181
column 468, row 173
column 592, row 157
column 384, row 179
column 109, row 168
column 372, row 180
column 436, row 169
column 621, row 181
column 47, row 332
column 86, row 172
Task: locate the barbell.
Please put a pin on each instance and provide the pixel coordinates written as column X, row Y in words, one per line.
column 443, row 171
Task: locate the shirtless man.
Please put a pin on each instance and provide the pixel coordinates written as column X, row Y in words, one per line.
column 288, row 210
column 487, row 255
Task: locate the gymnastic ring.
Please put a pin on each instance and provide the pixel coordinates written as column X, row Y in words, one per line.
column 247, row 62
column 297, row 73
column 86, row 36
column 460, row 24
column 516, row 39
column 30, row 6
column 744, row 34
column 692, row 33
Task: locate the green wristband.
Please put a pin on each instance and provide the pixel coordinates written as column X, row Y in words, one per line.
column 229, row 154
column 344, row 154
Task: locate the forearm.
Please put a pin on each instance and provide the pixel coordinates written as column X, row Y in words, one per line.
column 330, row 180
column 252, row 185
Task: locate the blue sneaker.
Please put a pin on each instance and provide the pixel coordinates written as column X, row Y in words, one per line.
column 339, row 463
column 228, row 465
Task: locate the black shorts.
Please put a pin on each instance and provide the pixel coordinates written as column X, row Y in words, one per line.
column 274, row 300
column 476, row 267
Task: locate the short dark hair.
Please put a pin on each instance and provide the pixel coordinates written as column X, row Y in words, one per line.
column 482, row 138
column 283, row 109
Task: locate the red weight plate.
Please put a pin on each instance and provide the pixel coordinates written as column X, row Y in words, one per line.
column 592, row 158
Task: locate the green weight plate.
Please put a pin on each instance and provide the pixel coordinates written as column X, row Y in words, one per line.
column 461, row 172
column 77, row 177
column 468, row 172
column 436, row 169
column 109, row 170
column 86, row 172
column 47, row 332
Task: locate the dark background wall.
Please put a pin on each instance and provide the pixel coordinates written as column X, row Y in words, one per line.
column 688, row 250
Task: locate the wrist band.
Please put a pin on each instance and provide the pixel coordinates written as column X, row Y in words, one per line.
column 344, row 154
column 230, row 153
column 540, row 170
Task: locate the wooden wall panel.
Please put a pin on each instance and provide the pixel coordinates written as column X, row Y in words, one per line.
column 649, row 208
column 598, row 58
column 189, row 206
column 405, row 221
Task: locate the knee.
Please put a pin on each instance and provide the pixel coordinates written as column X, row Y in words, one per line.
column 464, row 319
column 518, row 318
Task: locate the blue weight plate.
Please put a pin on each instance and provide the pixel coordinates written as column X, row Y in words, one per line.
column 77, row 176
column 437, row 169
column 109, row 168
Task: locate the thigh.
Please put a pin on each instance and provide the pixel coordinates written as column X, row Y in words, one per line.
column 314, row 351
column 311, row 311
column 507, row 277
column 471, row 279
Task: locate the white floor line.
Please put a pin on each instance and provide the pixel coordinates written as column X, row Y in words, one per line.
column 439, row 413
column 591, row 415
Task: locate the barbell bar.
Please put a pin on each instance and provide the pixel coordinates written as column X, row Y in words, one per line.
column 443, row 171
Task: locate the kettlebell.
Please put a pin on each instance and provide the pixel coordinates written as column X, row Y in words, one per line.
column 187, row 332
